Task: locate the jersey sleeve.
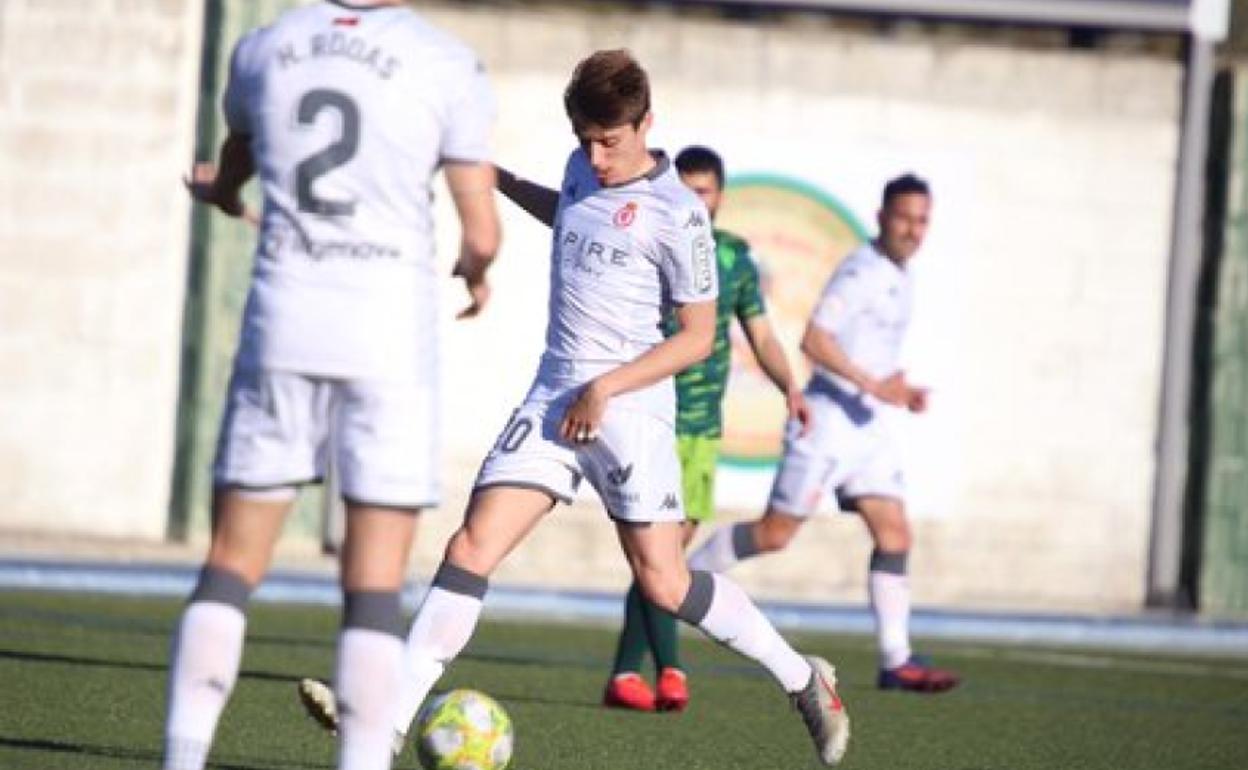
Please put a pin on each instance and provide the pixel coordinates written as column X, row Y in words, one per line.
column 844, row 296
column 470, row 115
column 238, row 85
column 687, row 255
column 749, row 288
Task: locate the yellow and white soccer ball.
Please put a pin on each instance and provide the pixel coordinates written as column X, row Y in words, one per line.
column 464, row 730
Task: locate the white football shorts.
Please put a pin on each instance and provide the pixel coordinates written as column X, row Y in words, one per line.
column 632, row 465
column 282, row 429
column 849, row 451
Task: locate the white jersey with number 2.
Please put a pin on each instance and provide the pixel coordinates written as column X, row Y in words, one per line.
column 350, row 111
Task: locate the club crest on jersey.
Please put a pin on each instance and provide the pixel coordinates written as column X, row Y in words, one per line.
column 625, row 216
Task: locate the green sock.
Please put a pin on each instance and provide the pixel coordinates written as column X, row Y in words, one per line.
column 664, row 639
column 631, row 648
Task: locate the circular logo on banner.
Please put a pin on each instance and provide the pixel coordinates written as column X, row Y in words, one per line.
column 798, row 233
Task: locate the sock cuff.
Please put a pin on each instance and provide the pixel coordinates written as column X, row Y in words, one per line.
column 460, row 581
column 373, row 611
column 221, row 585
column 743, row 544
column 698, row 601
column 894, row 562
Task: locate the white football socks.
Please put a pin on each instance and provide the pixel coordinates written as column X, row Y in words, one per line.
column 368, row 681
column 442, row 627
column 735, row 621
column 207, row 650
column 890, row 602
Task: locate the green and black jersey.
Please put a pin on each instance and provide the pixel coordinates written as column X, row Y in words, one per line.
column 700, row 388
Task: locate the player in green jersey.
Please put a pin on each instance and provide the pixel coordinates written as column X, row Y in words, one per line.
column 699, row 419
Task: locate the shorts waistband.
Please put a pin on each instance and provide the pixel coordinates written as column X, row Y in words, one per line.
column 859, row 407
column 570, row 368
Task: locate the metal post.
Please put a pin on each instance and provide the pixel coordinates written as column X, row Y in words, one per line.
column 1170, row 482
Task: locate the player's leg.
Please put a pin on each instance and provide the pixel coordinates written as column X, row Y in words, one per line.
column 208, row 644
column 672, row 685
column 626, row 688
column 698, row 458
column 498, row 518
column 718, row 606
column 267, row 446
column 796, row 493
column 888, row 587
column 369, row 666
column 647, row 627
column 887, row 583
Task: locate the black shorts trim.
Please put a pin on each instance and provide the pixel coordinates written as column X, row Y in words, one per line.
column 409, row 508
column 555, row 496
column 226, row 484
column 850, row 503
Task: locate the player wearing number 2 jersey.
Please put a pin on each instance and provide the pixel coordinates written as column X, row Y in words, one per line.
column 344, row 111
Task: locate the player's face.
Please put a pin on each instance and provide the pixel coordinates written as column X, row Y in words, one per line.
column 903, row 224
column 617, row 154
column 706, row 185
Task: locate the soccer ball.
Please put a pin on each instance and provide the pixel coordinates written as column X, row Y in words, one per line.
column 464, row 730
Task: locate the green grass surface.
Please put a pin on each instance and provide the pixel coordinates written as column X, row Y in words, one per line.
column 83, row 687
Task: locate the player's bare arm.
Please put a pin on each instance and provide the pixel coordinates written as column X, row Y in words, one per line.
column 692, row 343
column 472, row 190
column 540, row 202
column 821, row 347
column 771, row 357
column 222, row 185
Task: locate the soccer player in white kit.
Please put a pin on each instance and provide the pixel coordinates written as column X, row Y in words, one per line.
column 854, row 341
column 345, row 111
column 630, row 244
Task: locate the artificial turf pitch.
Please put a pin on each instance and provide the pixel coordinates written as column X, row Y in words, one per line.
column 82, row 686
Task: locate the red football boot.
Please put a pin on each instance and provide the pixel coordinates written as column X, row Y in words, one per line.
column 673, row 690
column 628, row 691
column 917, row 675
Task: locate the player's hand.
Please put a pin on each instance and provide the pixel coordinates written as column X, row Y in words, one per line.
column 584, row 416
column 202, row 185
column 916, row 400
column 476, row 284
column 893, row 390
column 799, row 410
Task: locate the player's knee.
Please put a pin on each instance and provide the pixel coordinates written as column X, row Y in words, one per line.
column 772, row 534
column 663, row 590
column 894, row 536
column 466, row 551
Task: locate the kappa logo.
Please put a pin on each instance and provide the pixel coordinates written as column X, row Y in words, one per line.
column 625, row 216
column 213, row 683
column 695, row 219
column 620, row 476
column 670, row 503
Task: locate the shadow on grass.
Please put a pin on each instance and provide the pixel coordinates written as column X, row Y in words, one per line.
column 79, row 660
column 147, row 757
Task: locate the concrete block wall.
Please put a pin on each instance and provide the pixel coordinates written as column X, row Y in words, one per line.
column 97, row 101
column 1066, row 161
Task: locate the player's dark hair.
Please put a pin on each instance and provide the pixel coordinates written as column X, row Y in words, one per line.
column 701, row 160
column 905, row 185
column 609, row 89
